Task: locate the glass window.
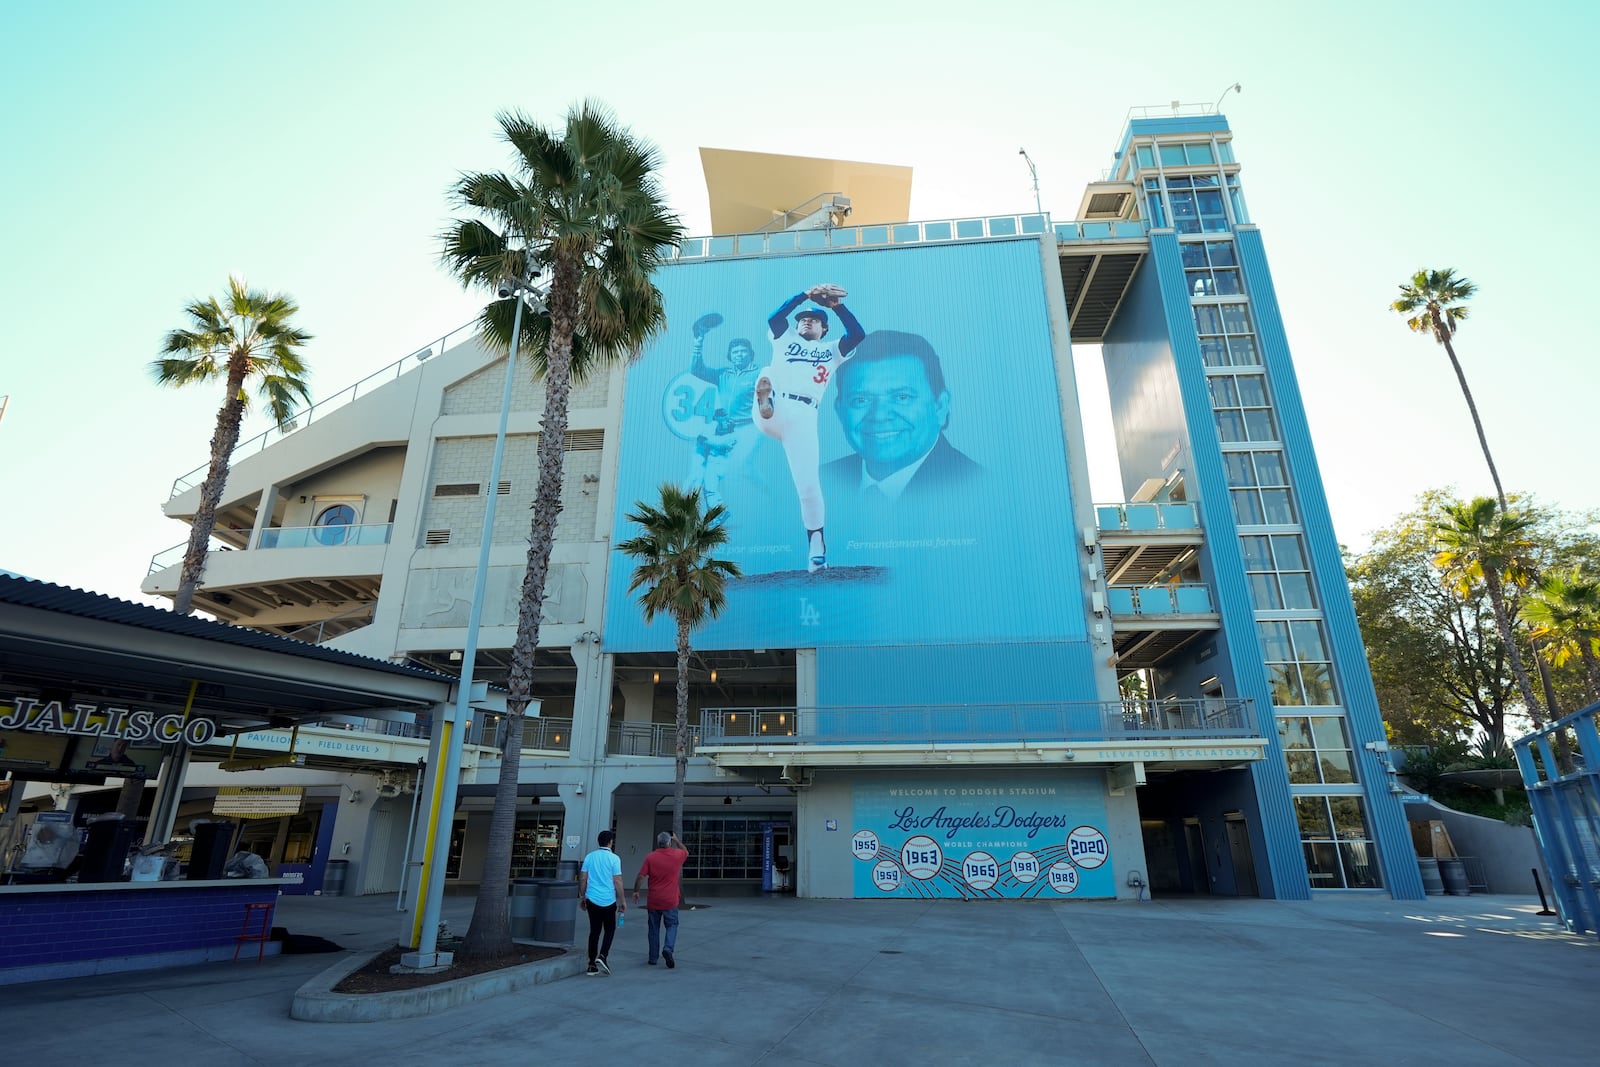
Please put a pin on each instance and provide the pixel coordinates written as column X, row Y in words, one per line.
column 333, row 525
column 1225, row 151
column 1172, row 155
column 1238, row 466
column 1337, row 843
column 1146, row 157
column 1277, row 508
column 1198, row 154
column 1210, row 267
column 1297, row 662
column 1242, row 352
column 1257, row 553
column 1296, row 591
column 1264, row 592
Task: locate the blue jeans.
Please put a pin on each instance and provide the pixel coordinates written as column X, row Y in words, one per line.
column 669, row 918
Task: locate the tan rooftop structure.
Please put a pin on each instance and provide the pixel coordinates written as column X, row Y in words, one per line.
column 750, row 190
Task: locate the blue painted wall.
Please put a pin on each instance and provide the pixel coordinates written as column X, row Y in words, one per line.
column 1365, row 721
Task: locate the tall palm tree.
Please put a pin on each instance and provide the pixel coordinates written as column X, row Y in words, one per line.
column 679, row 577
column 584, row 208
column 1477, row 542
column 245, row 339
column 1436, row 301
column 1564, row 611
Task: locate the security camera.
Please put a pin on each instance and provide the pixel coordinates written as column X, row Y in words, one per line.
column 506, row 288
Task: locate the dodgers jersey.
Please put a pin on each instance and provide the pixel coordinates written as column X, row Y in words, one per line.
column 802, row 368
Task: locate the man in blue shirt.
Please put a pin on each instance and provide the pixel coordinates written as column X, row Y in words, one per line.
column 600, row 893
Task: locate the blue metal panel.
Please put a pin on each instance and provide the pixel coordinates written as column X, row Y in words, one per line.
column 1280, row 828
column 1566, row 813
column 955, row 674
column 1389, row 825
column 1185, row 124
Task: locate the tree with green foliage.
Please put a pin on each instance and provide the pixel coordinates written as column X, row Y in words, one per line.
column 1438, row 663
column 1564, row 612
column 584, row 208
column 1436, row 303
column 677, row 574
column 1480, row 542
column 248, row 341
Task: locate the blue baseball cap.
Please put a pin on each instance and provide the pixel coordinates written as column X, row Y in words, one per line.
column 811, row 312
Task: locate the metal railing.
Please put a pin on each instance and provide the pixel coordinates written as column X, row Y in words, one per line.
column 1147, row 515
column 317, row 632
column 315, row 411
column 287, row 537
column 983, row 227
column 1114, row 229
column 171, row 557
column 538, row 733
column 374, row 533
column 1085, row 721
column 646, row 739
column 1560, row 766
column 1183, row 599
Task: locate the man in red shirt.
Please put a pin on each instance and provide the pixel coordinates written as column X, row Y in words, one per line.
column 663, row 868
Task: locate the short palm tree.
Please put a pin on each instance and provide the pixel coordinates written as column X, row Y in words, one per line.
column 1477, row 542
column 1436, row 301
column 678, row 576
column 1564, row 612
column 584, row 209
column 247, row 340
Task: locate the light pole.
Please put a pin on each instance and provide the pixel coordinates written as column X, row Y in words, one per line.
column 425, row 934
column 1037, row 206
column 1234, row 88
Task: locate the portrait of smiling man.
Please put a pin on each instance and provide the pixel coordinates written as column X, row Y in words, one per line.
column 894, row 408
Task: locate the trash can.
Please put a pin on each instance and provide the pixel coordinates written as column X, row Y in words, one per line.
column 1454, row 873
column 1432, row 884
column 524, row 900
column 335, row 878
column 209, row 853
column 567, row 870
column 556, row 913
column 106, row 850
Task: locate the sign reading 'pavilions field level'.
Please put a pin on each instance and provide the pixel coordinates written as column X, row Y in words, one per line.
column 91, row 720
column 981, row 837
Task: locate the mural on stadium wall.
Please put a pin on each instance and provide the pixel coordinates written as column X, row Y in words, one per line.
column 884, row 430
column 999, row 837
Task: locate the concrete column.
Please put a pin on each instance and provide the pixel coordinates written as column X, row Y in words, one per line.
column 635, row 818
column 638, row 700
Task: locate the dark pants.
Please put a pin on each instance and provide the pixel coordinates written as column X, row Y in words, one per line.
column 601, row 917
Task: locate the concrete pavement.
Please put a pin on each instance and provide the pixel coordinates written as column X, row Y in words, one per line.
column 779, row 981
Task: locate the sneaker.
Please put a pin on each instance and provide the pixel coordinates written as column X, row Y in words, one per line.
column 818, row 547
column 764, row 397
column 604, row 967
column 593, row 969
column 666, row 954
column 651, row 962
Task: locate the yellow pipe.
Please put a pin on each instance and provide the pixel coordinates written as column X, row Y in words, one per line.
column 431, row 835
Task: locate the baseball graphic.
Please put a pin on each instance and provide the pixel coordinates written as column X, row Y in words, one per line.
column 921, row 857
column 1024, row 867
column 1087, row 848
column 980, row 870
column 1063, row 877
column 886, row 875
column 864, row 845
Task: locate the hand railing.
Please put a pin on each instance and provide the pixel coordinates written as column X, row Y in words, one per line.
column 646, row 739
column 982, row 227
column 1086, row 721
column 376, row 533
column 1137, row 516
column 315, row 411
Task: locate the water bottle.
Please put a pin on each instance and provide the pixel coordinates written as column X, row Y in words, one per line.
column 622, row 917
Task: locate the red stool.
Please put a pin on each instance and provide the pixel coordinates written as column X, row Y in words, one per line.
column 260, row 936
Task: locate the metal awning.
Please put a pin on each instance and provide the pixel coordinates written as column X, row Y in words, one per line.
column 106, row 651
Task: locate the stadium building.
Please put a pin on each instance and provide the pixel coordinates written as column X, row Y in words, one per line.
column 996, row 686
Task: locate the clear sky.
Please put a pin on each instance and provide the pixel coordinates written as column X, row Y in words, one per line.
column 147, row 150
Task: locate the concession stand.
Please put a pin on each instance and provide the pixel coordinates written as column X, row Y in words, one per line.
column 94, row 688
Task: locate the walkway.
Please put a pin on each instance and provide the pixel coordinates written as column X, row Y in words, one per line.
column 1457, row 980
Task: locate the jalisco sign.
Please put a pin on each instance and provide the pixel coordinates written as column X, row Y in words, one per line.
column 91, row 720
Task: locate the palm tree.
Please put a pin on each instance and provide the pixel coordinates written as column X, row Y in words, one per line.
column 1436, row 300
column 1477, row 542
column 680, row 578
column 248, row 342
column 1564, row 611
column 585, row 208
